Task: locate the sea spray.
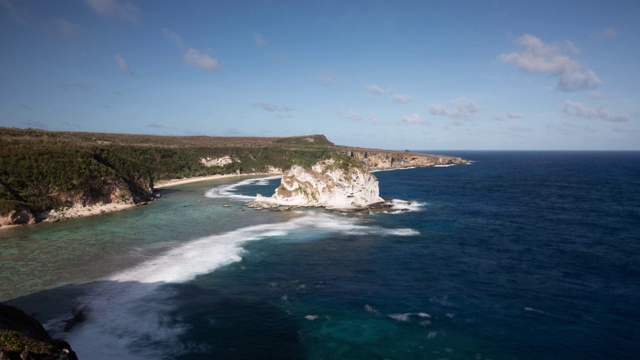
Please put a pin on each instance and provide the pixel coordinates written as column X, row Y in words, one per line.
column 230, row 190
column 128, row 314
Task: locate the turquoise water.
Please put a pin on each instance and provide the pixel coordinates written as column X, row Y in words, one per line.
column 517, row 256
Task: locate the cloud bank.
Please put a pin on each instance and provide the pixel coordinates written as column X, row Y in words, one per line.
column 414, row 118
column 124, row 10
column 350, row 115
column 374, row 89
column 537, row 57
column 462, row 108
column 195, row 58
column 123, row 65
column 602, row 113
column 401, row 98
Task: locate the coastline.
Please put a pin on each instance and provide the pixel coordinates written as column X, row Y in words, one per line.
column 172, row 182
column 78, row 211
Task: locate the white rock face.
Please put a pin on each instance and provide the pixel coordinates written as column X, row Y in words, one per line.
column 328, row 184
column 209, row 162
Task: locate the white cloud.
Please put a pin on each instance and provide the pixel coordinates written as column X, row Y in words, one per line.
column 566, row 128
column 14, row 13
column 350, row 115
column 195, row 58
column 373, row 117
column 123, row 10
column 514, row 115
column 192, row 56
column 281, row 111
column 414, row 118
column 374, row 89
column 462, row 108
column 327, row 78
column 123, row 65
column 520, row 129
column 601, row 96
column 66, row 27
column 571, row 47
column 538, row 57
column 609, row 33
column 602, row 113
column 260, row 40
column 272, row 107
column 174, row 37
column 401, row 98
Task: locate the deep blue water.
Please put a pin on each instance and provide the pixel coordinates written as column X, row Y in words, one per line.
column 519, row 255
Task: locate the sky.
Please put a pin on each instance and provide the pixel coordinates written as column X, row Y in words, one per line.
column 417, row 75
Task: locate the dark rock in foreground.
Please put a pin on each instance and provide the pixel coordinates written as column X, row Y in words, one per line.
column 22, row 337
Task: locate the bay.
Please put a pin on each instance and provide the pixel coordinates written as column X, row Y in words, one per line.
column 519, row 255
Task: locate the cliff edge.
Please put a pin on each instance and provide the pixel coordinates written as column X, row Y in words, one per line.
column 331, row 184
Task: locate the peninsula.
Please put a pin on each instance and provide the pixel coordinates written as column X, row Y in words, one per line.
column 49, row 176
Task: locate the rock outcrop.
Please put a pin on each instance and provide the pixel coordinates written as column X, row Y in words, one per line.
column 23, row 337
column 17, row 217
column 222, row 161
column 385, row 159
column 331, row 184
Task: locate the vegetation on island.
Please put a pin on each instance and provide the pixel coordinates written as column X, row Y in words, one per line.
column 44, row 170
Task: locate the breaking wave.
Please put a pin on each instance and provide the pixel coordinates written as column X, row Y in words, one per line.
column 132, row 312
column 229, row 191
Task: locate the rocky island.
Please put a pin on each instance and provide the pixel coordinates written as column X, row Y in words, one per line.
column 341, row 183
column 51, row 176
column 331, row 184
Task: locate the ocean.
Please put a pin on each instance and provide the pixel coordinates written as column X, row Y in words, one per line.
column 518, row 255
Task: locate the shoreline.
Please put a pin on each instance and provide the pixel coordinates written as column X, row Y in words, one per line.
column 85, row 211
column 172, row 182
column 76, row 211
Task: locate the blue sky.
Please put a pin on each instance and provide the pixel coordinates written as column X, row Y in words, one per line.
column 414, row 75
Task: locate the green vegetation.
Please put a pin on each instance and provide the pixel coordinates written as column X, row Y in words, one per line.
column 43, row 170
column 15, row 342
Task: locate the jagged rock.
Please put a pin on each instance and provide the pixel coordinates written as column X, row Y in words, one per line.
column 332, row 184
column 23, row 337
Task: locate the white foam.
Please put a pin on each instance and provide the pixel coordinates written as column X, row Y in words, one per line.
column 311, row 317
column 131, row 311
column 446, row 165
column 228, row 191
column 371, row 309
column 393, row 169
column 402, row 205
column 404, row 232
column 407, row 316
column 530, row 309
column 400, row 317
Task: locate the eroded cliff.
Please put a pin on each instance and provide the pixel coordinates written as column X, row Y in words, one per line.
column 333, row 184
column 387, row 159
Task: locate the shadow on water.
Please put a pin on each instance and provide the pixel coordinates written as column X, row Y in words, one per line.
column 133, row 320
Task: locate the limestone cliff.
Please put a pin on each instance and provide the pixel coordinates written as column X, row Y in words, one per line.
column 386, row 159
column 332, row 184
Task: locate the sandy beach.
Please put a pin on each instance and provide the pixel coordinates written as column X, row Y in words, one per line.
column 166, row 183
